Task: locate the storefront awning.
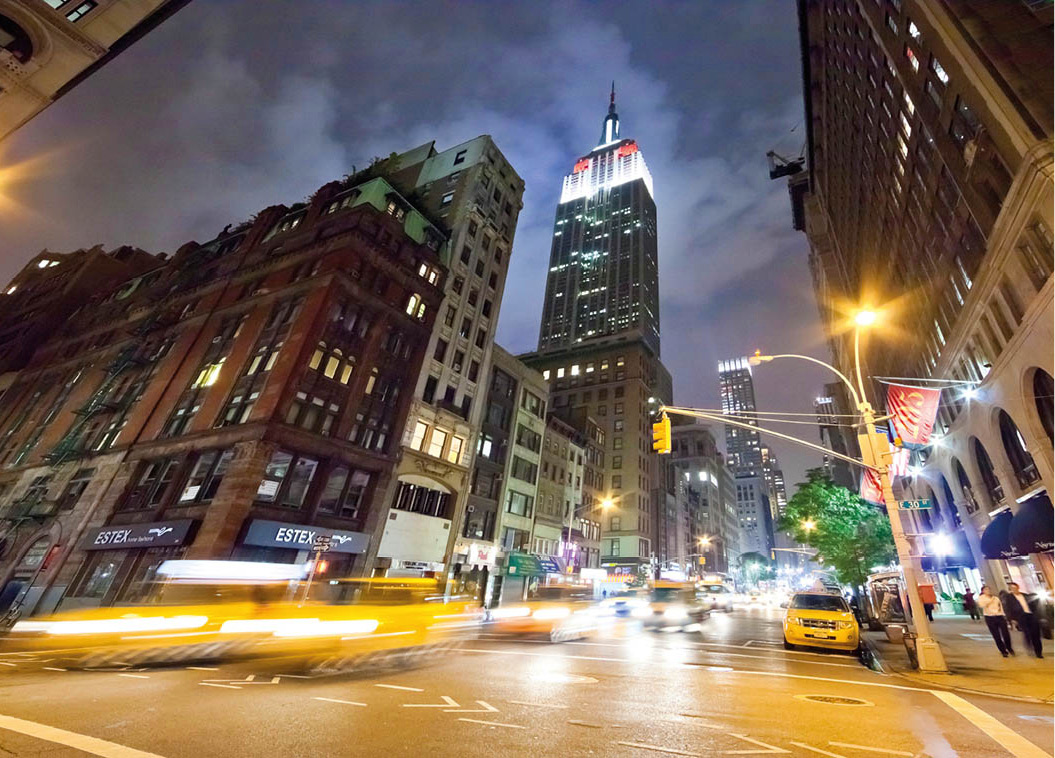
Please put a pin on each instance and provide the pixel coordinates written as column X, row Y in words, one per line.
column 549, row 564
column 996, row 540
column 522, row 564
column 1032, row 528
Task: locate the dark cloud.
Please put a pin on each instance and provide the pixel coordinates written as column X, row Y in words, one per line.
column 232, row 106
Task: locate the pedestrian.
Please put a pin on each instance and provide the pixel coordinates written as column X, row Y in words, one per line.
column 928, row 608
column 993, row 613
column 969, row 605
column 1020, row 609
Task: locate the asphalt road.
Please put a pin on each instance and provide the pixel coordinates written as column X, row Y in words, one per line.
column 727, row 689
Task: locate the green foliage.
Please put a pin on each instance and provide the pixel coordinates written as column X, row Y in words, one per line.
column 849, row 534
column 756, row 567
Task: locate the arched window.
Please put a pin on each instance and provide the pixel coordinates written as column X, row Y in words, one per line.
column 985, row 468
column 13, row 39
column 965, row 485
column 1015, row 448
column 1043, row 389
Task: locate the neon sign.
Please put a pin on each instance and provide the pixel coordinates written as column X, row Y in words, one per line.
column 625, row 150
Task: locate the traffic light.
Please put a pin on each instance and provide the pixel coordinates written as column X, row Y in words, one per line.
column 661, row 435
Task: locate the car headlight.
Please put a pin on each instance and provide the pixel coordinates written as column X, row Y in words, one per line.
column 792, row 619
column 676, row 613
column 641, row 612
column 544, row 614
column 845, row 624
column 507, row 613
column 123, row 625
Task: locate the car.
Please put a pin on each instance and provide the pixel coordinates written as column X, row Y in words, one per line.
column 674, row 606
column 822, row 620
column 556, row 612
column 715, row 597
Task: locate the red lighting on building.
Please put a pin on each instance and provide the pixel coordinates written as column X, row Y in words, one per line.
column 581, row 165
column 627, row 149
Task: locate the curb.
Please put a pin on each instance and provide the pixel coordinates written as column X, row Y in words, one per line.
column 914, row 678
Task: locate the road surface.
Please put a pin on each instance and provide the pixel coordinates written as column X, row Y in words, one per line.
column 727, row 689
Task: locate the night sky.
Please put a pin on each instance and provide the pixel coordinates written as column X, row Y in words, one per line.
column 229, row 107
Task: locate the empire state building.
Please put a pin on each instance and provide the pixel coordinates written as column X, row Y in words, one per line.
column 603, row 275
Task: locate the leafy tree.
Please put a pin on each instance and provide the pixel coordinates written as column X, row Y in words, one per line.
column 755, row 567
column 848, row 533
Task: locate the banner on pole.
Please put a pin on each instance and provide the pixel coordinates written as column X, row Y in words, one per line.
column 913, row 410
column 871, row 488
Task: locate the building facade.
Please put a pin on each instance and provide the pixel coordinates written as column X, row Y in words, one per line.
column 930, row 187
column 48, row 47
column 230, row 402
column 835, row 414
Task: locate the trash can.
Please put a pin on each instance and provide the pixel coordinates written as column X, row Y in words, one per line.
column 910, row 648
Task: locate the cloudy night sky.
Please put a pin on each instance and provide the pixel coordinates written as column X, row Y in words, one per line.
column 231, row 106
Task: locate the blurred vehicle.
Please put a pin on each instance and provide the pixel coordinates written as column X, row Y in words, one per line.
column 626, row 605
column 555, row 612
column 818, row 619
column 220, row 610
column 715, row 597
column 674, row 605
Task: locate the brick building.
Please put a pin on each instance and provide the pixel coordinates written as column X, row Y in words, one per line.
column 227, row 403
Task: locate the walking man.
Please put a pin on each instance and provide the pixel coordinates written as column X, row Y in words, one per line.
column 1021, row 612
column 969, row 605
column 993, row 613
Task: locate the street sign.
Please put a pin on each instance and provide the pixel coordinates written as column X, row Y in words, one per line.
column 321, row 543
column 914, row 505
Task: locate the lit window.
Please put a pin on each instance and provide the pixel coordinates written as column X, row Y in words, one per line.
column 560, row 373
column 447, row 198
column 914, row 31
column 455, row 451
column 412, row 304
column 589, row 368
column 332, row 364
column 43, row 263
column 420, row 430
column 909, row 105
column 207, row 376
column 912, row 58
column 906, row 125
column 11, row 289
column 902, row 147
column 936, row 67
column 545, row 374
column 436, row 442
column 81, row 11
column 575, row 370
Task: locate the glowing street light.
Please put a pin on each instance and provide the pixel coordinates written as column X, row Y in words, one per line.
column 809, row 525
column 865, row 318
column 705, row 540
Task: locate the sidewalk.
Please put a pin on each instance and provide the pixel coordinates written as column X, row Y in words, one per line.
column 974, row 663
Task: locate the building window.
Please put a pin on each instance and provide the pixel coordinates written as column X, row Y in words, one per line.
column 519, row 504
column 82, row 10
column 425, row 500
column 524, row 470
column 75, row 488
column 415, row 307
column 152, row 485
column 437, row 442
column 417, row 440
column 343, row 493
column 447, row 198
column 205, row 477
column 286, row 479
column 613, row 548
column 939, row 72
column 528, row 438
column 914, row 31
column 891, row 23
column 912, row 59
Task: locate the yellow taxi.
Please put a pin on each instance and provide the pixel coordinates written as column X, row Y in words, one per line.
column 554, row 612
column 674, row 605
column 818, row 619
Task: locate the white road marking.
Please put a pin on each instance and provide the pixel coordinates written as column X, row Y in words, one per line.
column 657, row 748
column 867, row 749
column 225, row 686
column 398, row 687
column 535, row 705
column 448, row 702
column 492, row 723
column 5, row 663
column 335, row 700
column 736, row 655
column 202, row 668
column 817, row 750
column 53, row 668
column 134, row 676
column 769, row 749
column 1010, row 740
column 81, row 742
column 487, row 708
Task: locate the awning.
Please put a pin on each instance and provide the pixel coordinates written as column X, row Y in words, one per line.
column 996, row 540
column 522, row 564
column 1033, row 527
column 961, row 555
column 549, row 564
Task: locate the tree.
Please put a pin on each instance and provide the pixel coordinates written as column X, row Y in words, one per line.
column 850, row 535
column 755, row 567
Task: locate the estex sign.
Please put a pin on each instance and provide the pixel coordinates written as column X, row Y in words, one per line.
column 302, row 537
column 155, row 534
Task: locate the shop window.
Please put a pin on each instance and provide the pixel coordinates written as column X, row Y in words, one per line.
column 205, row 476
column 100, row 573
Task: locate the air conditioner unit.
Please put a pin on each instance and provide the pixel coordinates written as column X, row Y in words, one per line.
column 470, row 508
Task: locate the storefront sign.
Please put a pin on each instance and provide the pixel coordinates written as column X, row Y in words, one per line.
column 476, row 554
column 301, row 537
column 156, row 534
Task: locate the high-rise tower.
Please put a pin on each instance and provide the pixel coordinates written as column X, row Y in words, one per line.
column 603, row 273
column 599, row 341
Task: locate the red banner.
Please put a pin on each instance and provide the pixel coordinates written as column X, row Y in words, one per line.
column 871, row 489
column 913, row 410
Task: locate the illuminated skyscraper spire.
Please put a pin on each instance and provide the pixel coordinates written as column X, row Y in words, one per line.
column 610, row 131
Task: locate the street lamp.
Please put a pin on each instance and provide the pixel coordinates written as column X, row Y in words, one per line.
column 809, row 525
column 928, row 652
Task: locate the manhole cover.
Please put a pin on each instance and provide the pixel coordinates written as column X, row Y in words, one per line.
column 833, row 700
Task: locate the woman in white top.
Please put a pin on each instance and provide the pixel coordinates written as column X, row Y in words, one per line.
column 993, row 613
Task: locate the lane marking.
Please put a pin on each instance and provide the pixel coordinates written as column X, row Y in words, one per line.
column 587, row 724
column 448, row 703
column 134, row 676
column 691, row 646
column 398, row 687
column 492, row 723
column 657, row 748
column 769, row 749
column 1010, row 740
column 867, row 749
column 5, row 663
column 335, row 700
column 53, row 668
column 487, row 708
column 82, row 742
column 817, row 750
column 743, row 672
column 202, row 668
column 225, row 686
column 535, row 705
